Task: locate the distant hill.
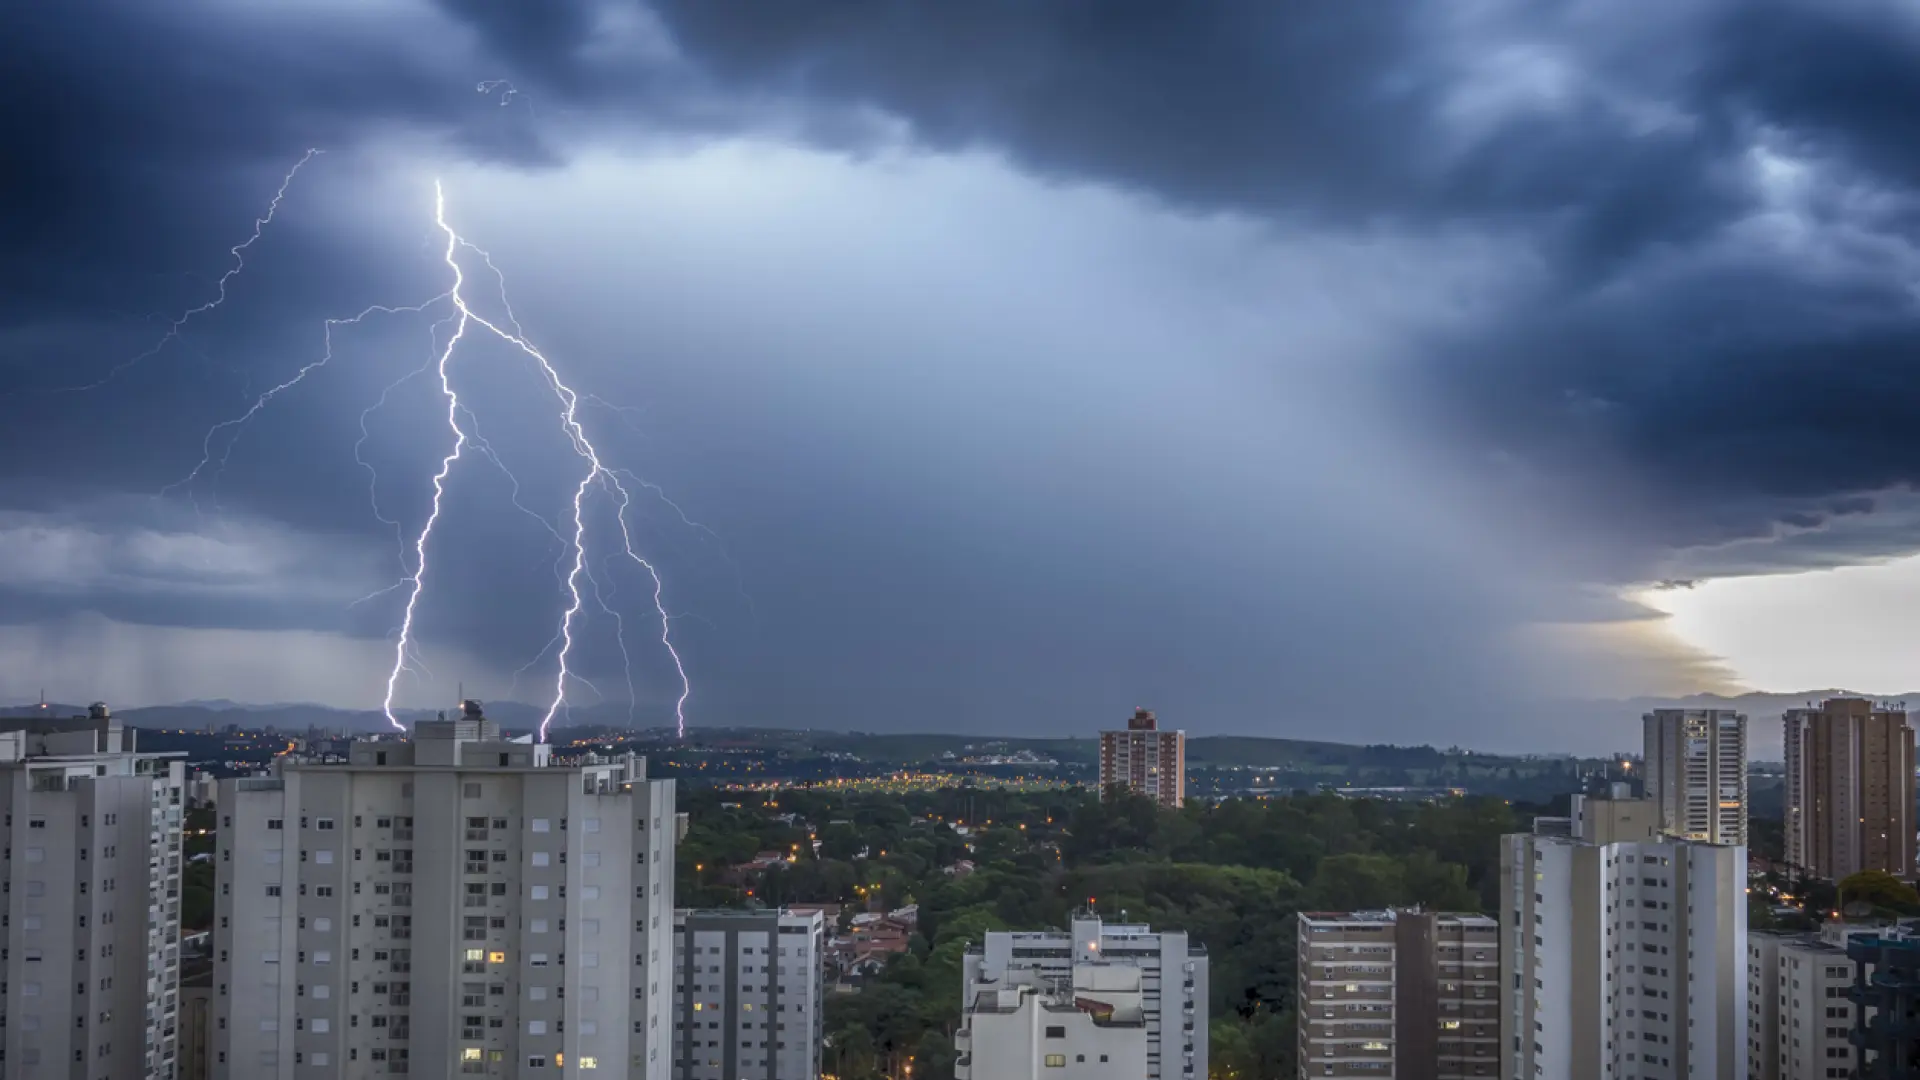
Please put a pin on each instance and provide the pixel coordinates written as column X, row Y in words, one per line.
column 1617, row 718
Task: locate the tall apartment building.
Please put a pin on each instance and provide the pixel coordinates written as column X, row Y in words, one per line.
column 1800, row 1014
column 1624, row 958
column 1145, row 760
column 89, row 977
column 1849, row 789
column 1409, row 994
column 1043, row 973
column 748, row 994
column 1886, row 997
column 1696, row 770
column 456, row 904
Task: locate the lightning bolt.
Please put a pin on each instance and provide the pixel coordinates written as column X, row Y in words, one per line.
column 598, row 479
column 237, row 424
column 596, row 476
column 179, row 322
column 417, row 580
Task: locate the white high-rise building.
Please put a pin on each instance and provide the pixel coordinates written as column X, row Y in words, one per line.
column 456, row 904
column 89, row 986
column 1625, row 950
column 749, row 992
column 1695, row 763
column 1038, row 978
column 1799, row 1015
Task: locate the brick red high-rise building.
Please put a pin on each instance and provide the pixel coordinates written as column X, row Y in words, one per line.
column 1850, row 788
column 1146, row 760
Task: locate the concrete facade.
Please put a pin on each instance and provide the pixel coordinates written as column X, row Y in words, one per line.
column 1695, row 769
column 455, row 904
column 749, row 989
column 1090, row 1025
column 1800, row 1019
column 90, row 972
column 1624, row 958
column 196, row 1028
column 1406, row 994
column 1173, row 986
column 1850, row 789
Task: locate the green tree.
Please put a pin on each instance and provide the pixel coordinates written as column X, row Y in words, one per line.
column 1879, row 888
column 1357, row 882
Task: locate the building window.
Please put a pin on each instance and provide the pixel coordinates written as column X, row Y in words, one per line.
column 1056, row 1032
column 1056, row 1061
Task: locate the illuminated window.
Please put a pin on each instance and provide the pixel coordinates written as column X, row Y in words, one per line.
column 476, row 955
column 471, row 1053
column 696, row 1006
column 496, row 958
column 1056, row 1061
column 589, row 1063
column 1450, row 1025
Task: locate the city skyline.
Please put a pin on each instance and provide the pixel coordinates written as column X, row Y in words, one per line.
column 1474, row 358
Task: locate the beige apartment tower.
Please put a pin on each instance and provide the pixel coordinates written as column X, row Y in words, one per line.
column 456, row 904
column 90, row 971
column 1145, row 760
column 1849, row 789
column 1410, row 995
column 1695, row 766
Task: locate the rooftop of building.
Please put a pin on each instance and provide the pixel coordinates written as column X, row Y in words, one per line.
column 1389, row 916
column 54, row 738
column 810, row 914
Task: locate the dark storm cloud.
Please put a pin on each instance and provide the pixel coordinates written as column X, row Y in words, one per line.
column 1721, row 399
column 1306, row 112
column 1670, row 371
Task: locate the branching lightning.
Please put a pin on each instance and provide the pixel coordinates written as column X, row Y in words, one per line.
column 597, row 478
column 237, row 423
column 179, row 322
column 597, row 473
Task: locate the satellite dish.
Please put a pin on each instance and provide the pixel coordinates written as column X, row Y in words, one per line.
column 1858, row 909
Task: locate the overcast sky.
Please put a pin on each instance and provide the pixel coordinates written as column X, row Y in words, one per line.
column 1316, row 369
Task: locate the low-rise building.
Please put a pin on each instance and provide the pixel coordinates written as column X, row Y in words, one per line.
column 1799, row 1013
column 1171, row 1038
column 1886, row 999
column 748, row 994
column 1409, row 994
column 1089, row 1024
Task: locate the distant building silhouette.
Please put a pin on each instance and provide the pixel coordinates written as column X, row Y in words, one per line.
column 1145, row 760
